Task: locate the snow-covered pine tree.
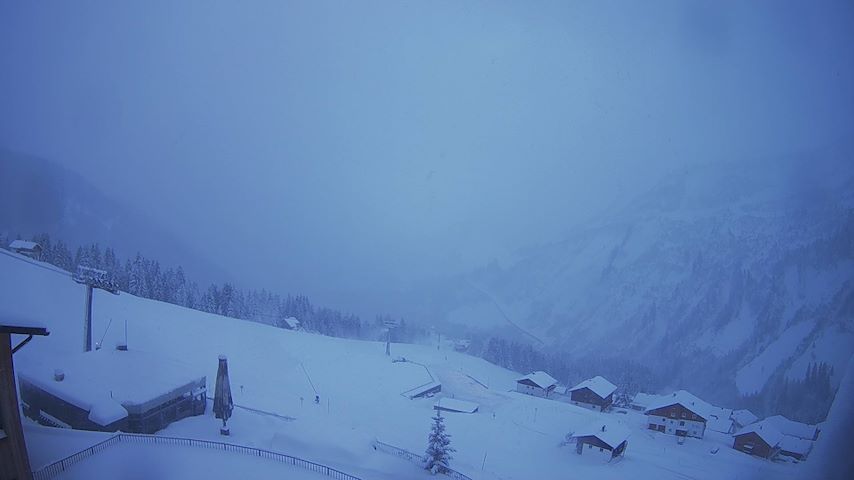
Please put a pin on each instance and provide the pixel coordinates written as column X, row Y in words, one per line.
column 439, row 447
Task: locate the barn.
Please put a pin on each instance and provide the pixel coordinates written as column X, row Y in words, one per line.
column 538, row 384
column 25, row 247
column 793, row 428
column 595, row 393
column 796, row 448
column 290, row 323
column 111, row 390
column 608, row 437
column 758, row 439
column 681, row 414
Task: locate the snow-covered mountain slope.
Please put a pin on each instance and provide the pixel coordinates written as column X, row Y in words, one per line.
column 38, row 196
column 830, row 460
column 717, row 279
column 512, row 436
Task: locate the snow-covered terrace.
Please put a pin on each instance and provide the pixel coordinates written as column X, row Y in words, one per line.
column 109, row 384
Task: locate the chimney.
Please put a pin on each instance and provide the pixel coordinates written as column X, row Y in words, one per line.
column 58, row 375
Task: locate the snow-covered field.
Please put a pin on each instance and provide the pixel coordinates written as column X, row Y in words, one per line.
column 512, row 436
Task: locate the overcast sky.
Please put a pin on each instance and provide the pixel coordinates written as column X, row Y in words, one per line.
column 340, row 147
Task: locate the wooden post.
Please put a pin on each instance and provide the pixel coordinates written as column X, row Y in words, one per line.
column 14, row 462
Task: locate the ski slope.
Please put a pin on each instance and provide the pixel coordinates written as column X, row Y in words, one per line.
column 512, row 436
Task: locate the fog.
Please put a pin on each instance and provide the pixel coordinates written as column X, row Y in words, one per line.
column 347, row 149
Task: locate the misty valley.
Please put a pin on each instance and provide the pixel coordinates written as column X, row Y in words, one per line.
column 406, row 240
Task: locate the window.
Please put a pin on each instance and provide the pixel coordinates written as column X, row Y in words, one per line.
column 682, row 423
column 672, row 414
column 684, row 415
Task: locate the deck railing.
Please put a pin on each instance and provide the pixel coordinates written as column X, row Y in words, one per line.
column 60, row 466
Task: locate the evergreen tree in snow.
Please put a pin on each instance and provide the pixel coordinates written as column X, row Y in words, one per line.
column 439, row 447
column 62, row 257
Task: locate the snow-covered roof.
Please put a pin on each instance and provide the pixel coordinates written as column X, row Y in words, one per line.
column 422, row 389
column 744, row 417
column 645, row 399
column 795, row 445
column 23, row 245
column 106, row 411
column 292, row 322
column 20, row 325
column 766, row 432
column 597, row 385
column 791, row 427
column 539, row 378
column 455, row 405
column 612, row 433
column 106, row 382
column 687, row 400
column 720, row 419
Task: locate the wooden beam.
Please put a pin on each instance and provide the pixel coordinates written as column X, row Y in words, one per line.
column 14, row 462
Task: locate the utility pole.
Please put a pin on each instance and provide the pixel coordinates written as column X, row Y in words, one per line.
column 92, row 278
column 389, row 324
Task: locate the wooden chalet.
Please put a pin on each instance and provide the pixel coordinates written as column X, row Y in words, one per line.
column 793, row 428
column 595, row 393
column 796, row 448
column 538, row 384
column 26, row 248
column 758, row 439
column 608, row 438
column 681, row 414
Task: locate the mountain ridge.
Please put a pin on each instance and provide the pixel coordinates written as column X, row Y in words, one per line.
column 743, row 268
column 40, row 196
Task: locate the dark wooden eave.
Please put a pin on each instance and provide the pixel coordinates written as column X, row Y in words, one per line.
column 20, row 330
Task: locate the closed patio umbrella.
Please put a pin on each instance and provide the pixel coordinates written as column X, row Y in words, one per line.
column 223, row 405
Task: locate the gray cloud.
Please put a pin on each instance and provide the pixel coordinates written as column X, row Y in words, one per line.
column 355, row 146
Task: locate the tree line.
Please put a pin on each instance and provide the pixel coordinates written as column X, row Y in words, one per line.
column 147, row 278
column 805, row 400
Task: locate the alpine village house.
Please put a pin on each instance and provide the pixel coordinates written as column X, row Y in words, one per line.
column 595, row 393
column 538, row 384
column 681, row 414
